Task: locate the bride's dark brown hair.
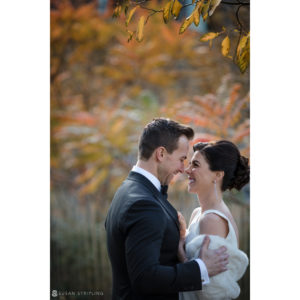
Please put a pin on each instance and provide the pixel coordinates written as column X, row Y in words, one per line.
column 224, row 156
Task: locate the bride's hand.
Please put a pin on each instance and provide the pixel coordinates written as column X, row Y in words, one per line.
column 215, row 260
column 181, row 252
column 182, row 225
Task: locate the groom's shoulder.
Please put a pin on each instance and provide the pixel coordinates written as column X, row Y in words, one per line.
column 132, row 197
column 132, row 191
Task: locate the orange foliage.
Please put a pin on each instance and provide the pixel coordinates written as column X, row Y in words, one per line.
column 104, row 89
column 216, row 118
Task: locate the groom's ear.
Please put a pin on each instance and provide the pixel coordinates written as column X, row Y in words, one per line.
column 160, row 153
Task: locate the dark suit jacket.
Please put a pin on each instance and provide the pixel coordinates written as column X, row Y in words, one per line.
column 142, row 240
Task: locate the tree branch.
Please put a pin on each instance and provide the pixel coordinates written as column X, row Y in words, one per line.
column 235, row 3
column 154, row 12
column 151, row 9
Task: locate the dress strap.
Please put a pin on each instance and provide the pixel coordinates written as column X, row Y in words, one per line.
column 217, row 212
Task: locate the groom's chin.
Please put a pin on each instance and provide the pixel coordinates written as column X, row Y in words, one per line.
column 169, row 179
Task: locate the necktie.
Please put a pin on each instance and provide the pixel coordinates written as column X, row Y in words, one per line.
column 164, row 189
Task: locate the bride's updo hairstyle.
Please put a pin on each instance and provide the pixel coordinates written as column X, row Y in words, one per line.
column 225, row 156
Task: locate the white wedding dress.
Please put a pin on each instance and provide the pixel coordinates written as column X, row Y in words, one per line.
column 224, row 285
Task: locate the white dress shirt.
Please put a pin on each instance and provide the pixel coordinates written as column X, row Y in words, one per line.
column 154, row 180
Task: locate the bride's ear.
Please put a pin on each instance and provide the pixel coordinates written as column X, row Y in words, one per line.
column 219, row 175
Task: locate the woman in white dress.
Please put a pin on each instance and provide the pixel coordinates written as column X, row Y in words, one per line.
column 214, row 168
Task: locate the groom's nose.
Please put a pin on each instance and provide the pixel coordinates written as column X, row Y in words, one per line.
column 187, row 170
column 181, row 170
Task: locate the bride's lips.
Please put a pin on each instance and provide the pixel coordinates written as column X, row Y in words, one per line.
column 191, row 180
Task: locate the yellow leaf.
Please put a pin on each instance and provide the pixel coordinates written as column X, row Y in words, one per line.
column 243, row 53
column 166, row 11
column 196, row 15
column 244, row 59
column 205, row 10
column 209, row 36
column 188, row 21
column 140, row 29
column 200, row 6
column 130, row 15
column 242, row 43
column 225, row 46
column 117, row 11
column 176, row 8
column 193, row 1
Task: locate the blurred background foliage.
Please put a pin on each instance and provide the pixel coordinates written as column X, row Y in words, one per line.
column 103, row 92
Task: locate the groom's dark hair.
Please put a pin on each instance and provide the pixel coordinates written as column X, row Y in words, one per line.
column 162, row 132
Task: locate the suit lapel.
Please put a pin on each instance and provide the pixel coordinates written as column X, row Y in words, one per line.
column 172, row 212
column 162, row 199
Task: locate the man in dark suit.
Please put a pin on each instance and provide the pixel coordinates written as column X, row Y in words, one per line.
column 142, row 226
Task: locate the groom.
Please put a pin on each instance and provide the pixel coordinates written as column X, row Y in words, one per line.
column 142, row 226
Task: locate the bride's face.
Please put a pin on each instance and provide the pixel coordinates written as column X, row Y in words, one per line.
column 200, row 177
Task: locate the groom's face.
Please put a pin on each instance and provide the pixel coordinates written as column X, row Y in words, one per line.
column 174, row 162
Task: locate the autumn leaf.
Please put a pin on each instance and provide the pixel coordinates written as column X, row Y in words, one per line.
column 176, row 8
column 205, row 10
column 244, row 59
column 243, row 53
column 130, row 15
column 200, row 6
column 242, row 43
column 196, row 15
column 117, row 11
column 225, row 46
column 167, row 11
column 209, row 36
column 188, row 21
column 140, row 29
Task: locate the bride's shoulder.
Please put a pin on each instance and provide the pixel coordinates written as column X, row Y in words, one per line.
column 213, row 224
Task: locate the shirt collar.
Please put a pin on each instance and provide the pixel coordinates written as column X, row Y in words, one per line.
column 148, row 175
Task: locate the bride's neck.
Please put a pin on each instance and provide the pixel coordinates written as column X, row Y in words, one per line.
column 210, row 200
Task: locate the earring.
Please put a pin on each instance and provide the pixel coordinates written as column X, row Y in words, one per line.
column 215, row 186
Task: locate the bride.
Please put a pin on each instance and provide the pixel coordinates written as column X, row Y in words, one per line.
column 214, row 168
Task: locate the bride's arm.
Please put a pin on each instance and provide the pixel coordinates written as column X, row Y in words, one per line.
column 213, row 224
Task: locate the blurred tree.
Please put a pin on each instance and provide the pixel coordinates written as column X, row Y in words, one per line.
column 100, row 94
